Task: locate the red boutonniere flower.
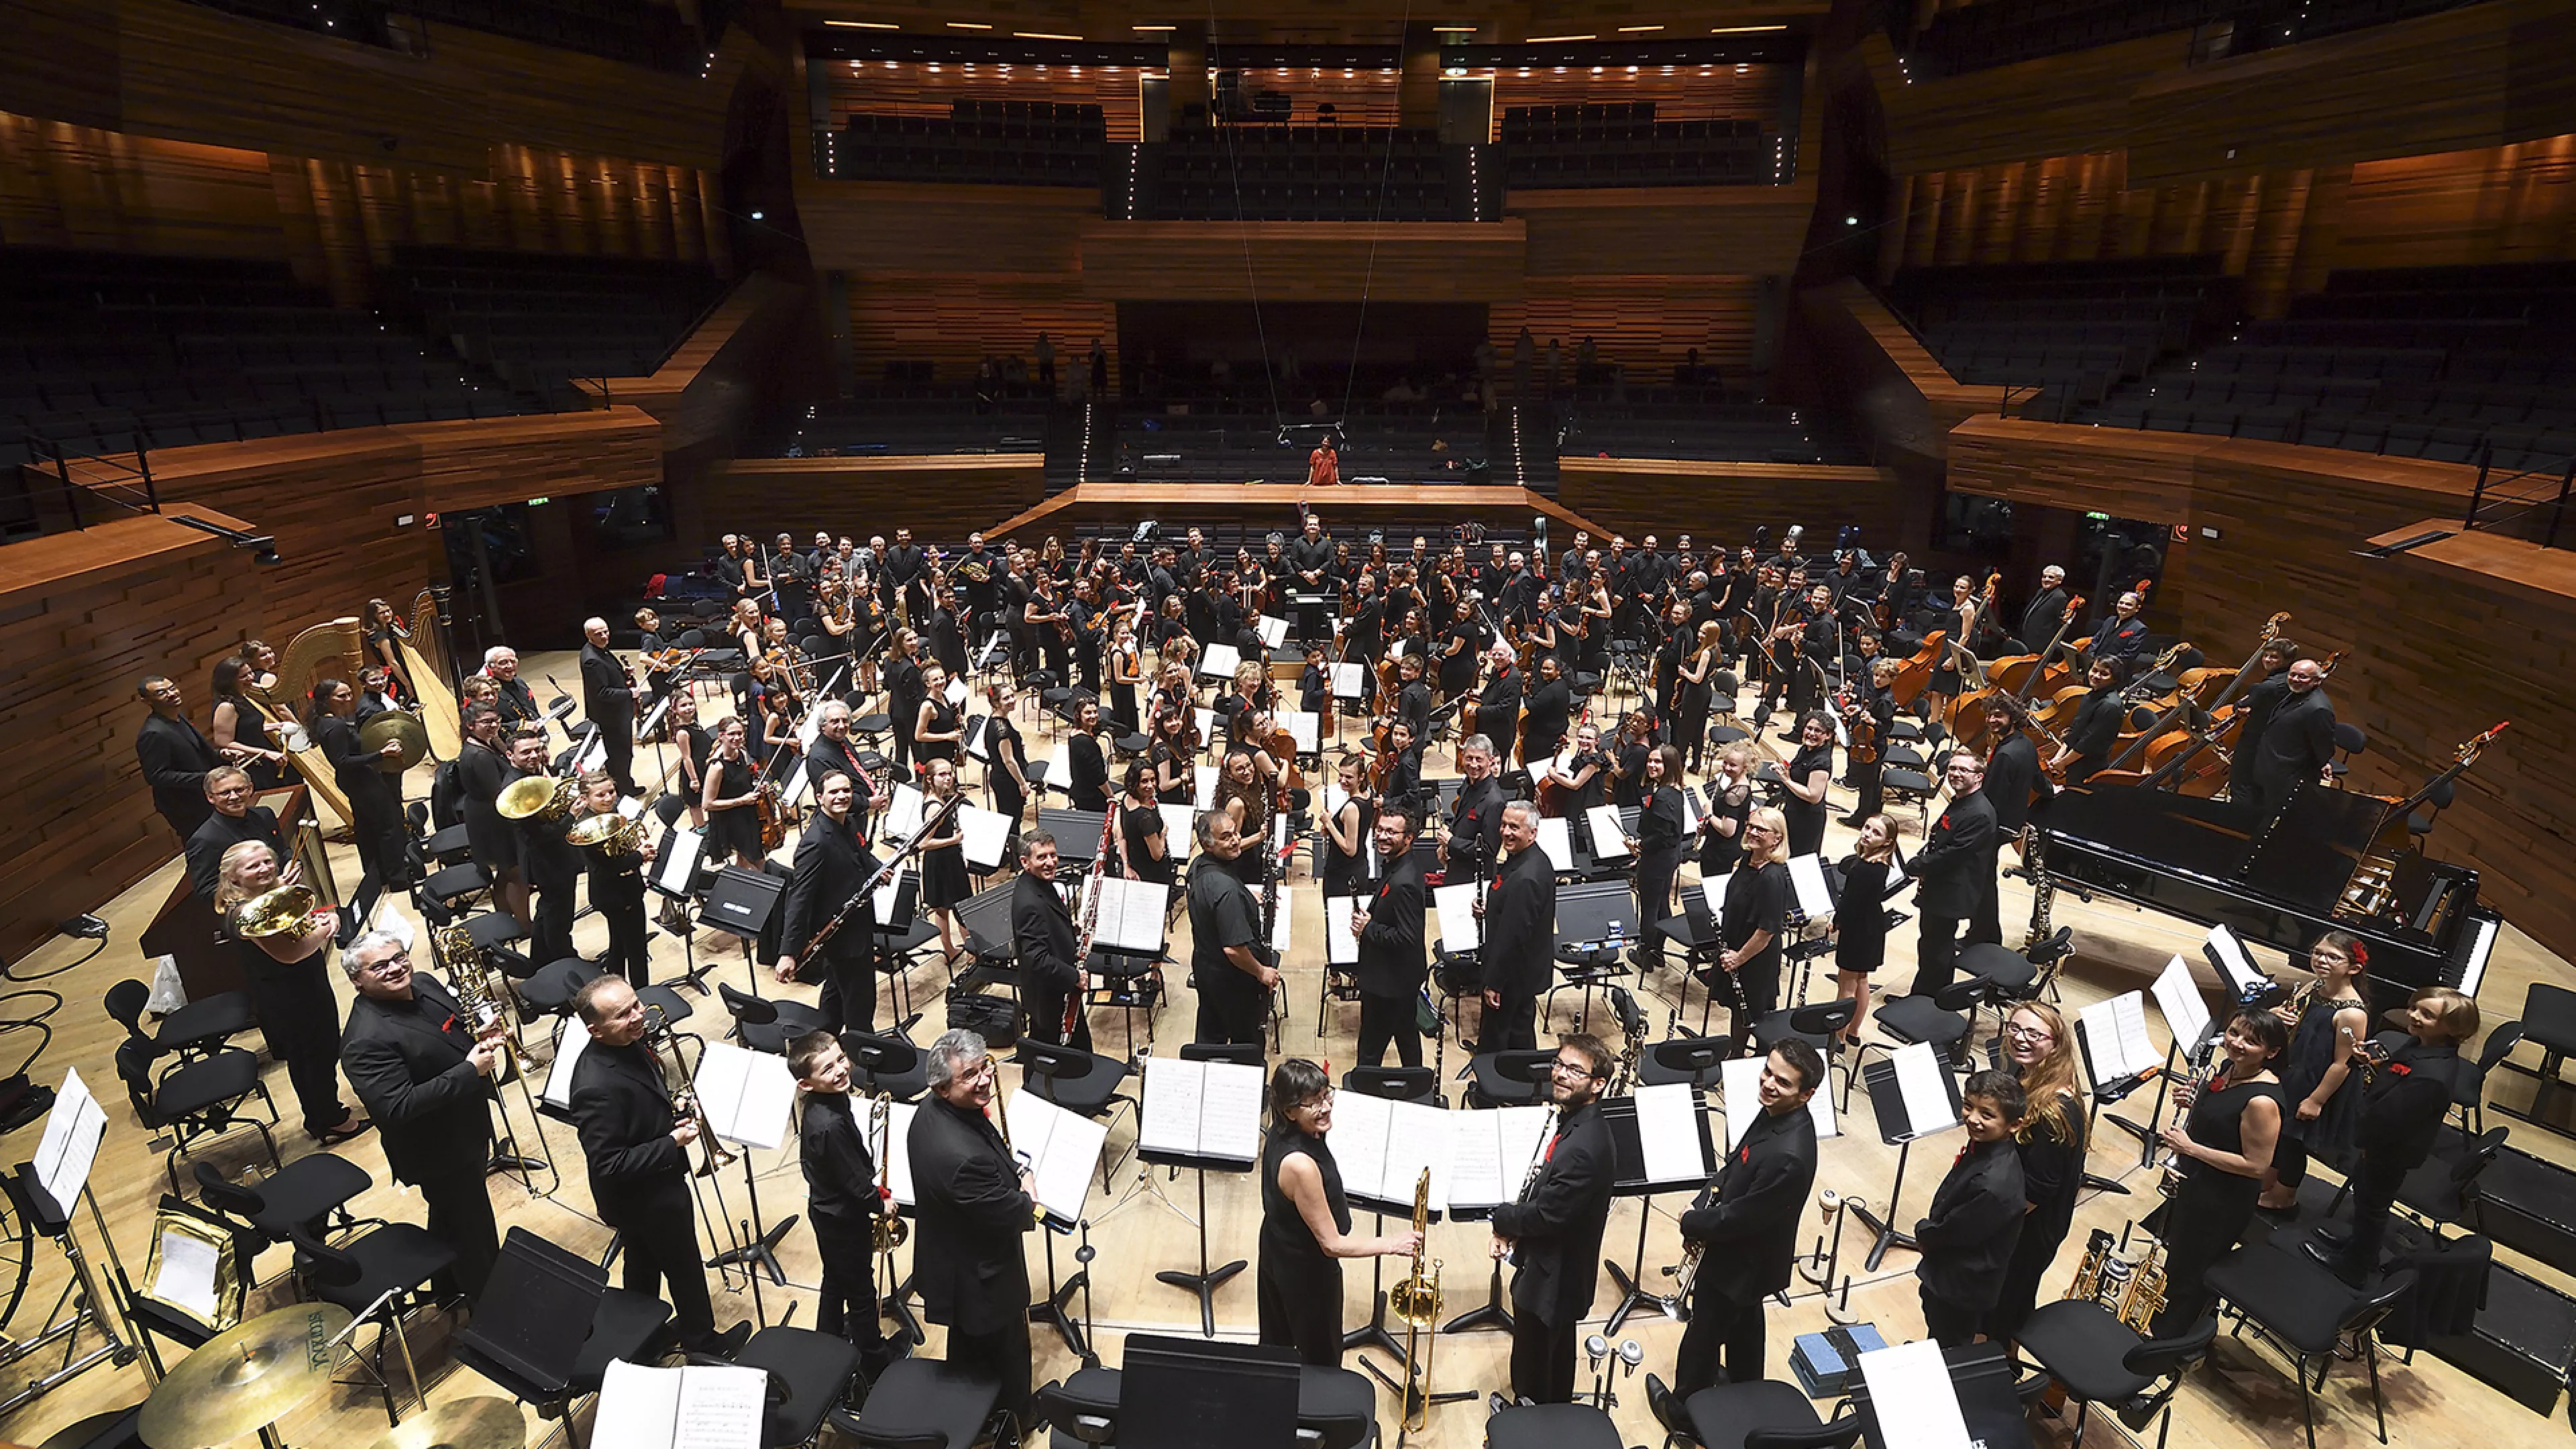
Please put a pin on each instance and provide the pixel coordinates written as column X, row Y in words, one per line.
column 2401, row 1069
column 1944, row 822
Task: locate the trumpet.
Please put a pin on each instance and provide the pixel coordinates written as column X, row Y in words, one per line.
column 2134, row 1292
column 684, row 1094
column 1416, row 1299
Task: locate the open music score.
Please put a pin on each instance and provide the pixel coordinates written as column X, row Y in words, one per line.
column 1460, row 928
column 746, row 1095
column 2178, row 997
column 1218, row 661
column 1062, row 1148
column 1382, row 1148
column 1815, row 898
column 2115, row 1037
column 701, row 1406
column 895, row 1160
column 1668, row 1134
column 1200, row 1109
column 986, row 835
column 1556, row 842
column 1341, row 948
column 1609, row 838
column 1130, row 913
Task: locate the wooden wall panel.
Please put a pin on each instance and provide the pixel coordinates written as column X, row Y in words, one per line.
column 889, row 226
column 1877, row 373
column 936, row 497
column 1742, row 231
column 1662, row 496
column 83, row 617
column 1285, row 261
column 333, row 501
column 1648, row 323
column 481, row 462
column 956, row 320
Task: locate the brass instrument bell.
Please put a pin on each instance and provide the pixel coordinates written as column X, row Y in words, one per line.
column 275, row 912
column 541, row 797
column 612, row 832
column 401, row 726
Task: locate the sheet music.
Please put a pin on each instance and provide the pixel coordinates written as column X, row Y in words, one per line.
column 1919, row 1082
column 807, row 732
column 70, row 1144
column 1563, row 764
column 1460, row 930
column 1395, row 648
column 1668, row 1131
column 675, row 865
column 1609, row 837
column 976, row 731
column 1740, row 1080
column 1274, row 631
column 1217, row 661
column 1059, row 764
column 1230, row 1111
column 2234, row 967
column 903, row 817
column 721, row 1407
column 571, row 1040
column 638, row 1406
column 793, row 797
column 1713, row 892
column 1063, row 1149
column 1304, row 728
column 1909, row 1384
column 1176, row 829
column 886, row 906
column 1807, row 877
column 1341, row 948
column 2473, row 968
column 1556, row 841
column 897, row 1167
column 1333, row 798
column 1203, row 777
column 746, row 1095
column 1280, row 915
column 1690, row 813
column 1476, row 1161
column 1202, row 1109
column 1349, row 680
column 186, row 1275
column 987, row 834
column 1130, row 912
column 2178, row 997
column 955, row 693
column 1417, row 1137
column 1358, row 1138
column 2115, row 1034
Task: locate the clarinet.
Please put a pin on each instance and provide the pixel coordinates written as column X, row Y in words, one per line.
column 1090, row 924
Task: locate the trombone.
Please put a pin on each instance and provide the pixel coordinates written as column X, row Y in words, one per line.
column 1416, row 1299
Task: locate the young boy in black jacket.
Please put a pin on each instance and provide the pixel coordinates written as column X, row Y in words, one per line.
column 1968, row 1236
column 842, row 1200
column 2401, row 1115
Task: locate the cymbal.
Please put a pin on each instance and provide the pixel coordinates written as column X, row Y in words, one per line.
column 395, row 724
column 488, row 1422
column 245, row 1378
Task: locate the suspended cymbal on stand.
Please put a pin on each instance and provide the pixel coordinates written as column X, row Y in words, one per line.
column 488, row 1422
column 246, row 1378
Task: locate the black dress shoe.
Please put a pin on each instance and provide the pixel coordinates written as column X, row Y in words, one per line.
column 2334, row 1263
column 2332, row 1237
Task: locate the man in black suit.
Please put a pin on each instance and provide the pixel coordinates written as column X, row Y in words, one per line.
column 550, row 863
column 1519, row 954
column 2047, row 611
column 842, row 1200
column 1553, row 1233
column 2298, row 741
column 974, row 1204
column 832, row 863
column 1498, row 704
column 2255, row 708
column 1231, row 965
column 1954, row 871
column 424, row 1075
column 608, row 701
column 1745, row 1227
column 1042, row 931
column 234, row 820
column 831, row 753
column 637, row 1153
column 2014, row 784
column 1389, row 927
column 175, row 758
column 1471, row 842
column 518, row 703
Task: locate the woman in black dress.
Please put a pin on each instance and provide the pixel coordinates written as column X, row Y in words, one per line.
column 385, row 638
column 1006, row 757
column 1306, row 1221
column 1698, row 685
column 1175, row 768
column 1087, row 766
column 1126, row 674
column 384, row 850
column 1576, row 782
column 731, row 799
column 1144, row 846
column 2220, row 1151
column 1957, row 622
column 1860, row 917
column 936, row 728
column 943, row 861
column 291, row 989
column 1807, row 775
column 2097, row 723
column 238, row 729
column 1662, row 823
column 1347, row 830
column 1730, row 804
column 1461, row 647
column 2328, row 1022
column 1756, row 908
column 2051, row 1143
column 696, row 749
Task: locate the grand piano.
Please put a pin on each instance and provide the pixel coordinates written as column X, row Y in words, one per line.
column 2332, row 860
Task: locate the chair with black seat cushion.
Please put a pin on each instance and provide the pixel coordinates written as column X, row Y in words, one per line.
column 2443, row 1188
column 1941, row 1019
column 2009, row 976
column 310, row 1194
column 381, row 1276
column 457, row 888
column 2469, row 1087
column 2549, row 1023
column 1336, row 1409
column 197, row 1029
column 494, row 932
column 2101, row 1360
column 2307, row 1311
column 1900, row 787
column 1552, row 1426
column 922, row 1403
column 1079, row 1412
column 1815, row 1024
column 2349, row 740
column 195, row 1100
column 1692, row 1059
column 1765, row 1414
column 1508, row 1079
column 766, row 1024
column 1396, row 1084
column 549, row 990
column 814, row 1368
column 887, row 1064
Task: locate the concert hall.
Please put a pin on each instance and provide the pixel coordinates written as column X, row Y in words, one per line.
column 1071, row 723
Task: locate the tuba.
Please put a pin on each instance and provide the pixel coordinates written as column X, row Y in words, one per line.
column 1416, row 1299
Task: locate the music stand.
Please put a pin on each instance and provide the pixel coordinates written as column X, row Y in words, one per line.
column 1887, row 1105
column 1206, row 1280
column 1983, row 1375
column 1593, row 920
column 1628, row 1179
column 1493, row 1312
column 1174, row 1393
column 739, row 904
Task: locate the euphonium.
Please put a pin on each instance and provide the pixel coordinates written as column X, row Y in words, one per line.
column 890, row 1229
column 1416, row 1300
column 452, row 947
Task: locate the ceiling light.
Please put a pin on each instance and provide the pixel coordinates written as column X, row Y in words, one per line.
column 1453, row 29
column 1747, row 29
column 968, row 25
column 1156, row 27
column 1040, row 35
column 1558, row 39
column 1637, row 29
column 863, row 24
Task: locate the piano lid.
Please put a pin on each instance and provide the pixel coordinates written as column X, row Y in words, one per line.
column 2304, row 859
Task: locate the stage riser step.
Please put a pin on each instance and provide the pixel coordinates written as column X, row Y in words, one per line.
column 2523, row 1341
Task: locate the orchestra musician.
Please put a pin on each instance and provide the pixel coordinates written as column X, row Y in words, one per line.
column 518, row 702
column 291, row 988
column 175, row 757
column 975, row 1202
column 2123, row 635
column 1859, row 926
column 1043, row 931
column 1975, row 1218
column 549, row 862
column 1306, row 1220
column 1474, row 831
column 1552, row 1233
column 1744, row 1226
column 832, row 863
column 1087, row 764
column 2098, row 721
column 2051, row 1146
column 2047, row 609
column 831, row 755
column 1006, row 760
column 1519, row 954
column 2014, row 783
column 482, row 769
column 424, row 1074
column 1953, row 872
column 1806, row 776
column 236, row 727
column 2402, row 1111
column 1750, row 919
column 944, row 883
column 1661, row 824
column 1231, row 965
column 2297, row 743
column 2255, row 710
column 636, row 1150
column 608, row 701
column 232, row 820
column 730, row 798
column 384, row 848
column 2220, row 1148
column 1389, row 925
column 842, row 1199
column 1550, row 708
column 617, row 885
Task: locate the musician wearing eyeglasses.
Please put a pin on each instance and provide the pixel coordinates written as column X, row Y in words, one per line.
column 637, row 1151
column 1306, row 1220
column 550, row 863
column 384, row 849
column 234, row 820
column 1519, row 955
column 1552, row 1233
column 832, row 863
column 976, row 1201
column 608, row 701
column 1043, row 930
column 1744, row 1228
column 423, row 1074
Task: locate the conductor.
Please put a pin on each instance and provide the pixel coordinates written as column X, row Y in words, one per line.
column 974, row 1203
column 1553, row 1233
column 1745, row 1227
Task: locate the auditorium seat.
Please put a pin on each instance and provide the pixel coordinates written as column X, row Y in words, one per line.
column 538, row 321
